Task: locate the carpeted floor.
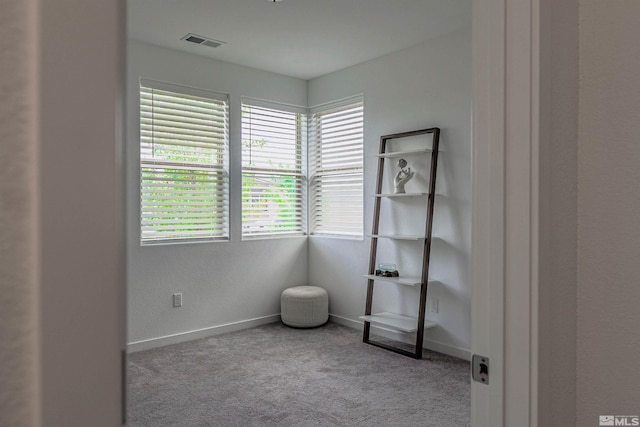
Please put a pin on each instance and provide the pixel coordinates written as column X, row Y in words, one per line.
column 278, row 376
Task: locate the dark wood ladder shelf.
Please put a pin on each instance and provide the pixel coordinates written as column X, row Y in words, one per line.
column 397, row 322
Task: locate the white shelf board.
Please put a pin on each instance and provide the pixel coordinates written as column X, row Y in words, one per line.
column 396, row 321
column 402, row 280
column 405, row 153
column 398, row 236
column 400, row 194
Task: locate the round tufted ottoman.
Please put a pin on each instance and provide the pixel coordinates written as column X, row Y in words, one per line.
column 304, row 306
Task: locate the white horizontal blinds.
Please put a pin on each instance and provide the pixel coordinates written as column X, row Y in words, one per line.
column 336, row 164
column 273, row 165
column 183, row 163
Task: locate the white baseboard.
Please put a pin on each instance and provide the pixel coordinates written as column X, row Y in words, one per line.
column 251, row 323
column 201, row 333
column 450, row 350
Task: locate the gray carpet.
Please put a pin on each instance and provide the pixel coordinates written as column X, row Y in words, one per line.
column 278, row 376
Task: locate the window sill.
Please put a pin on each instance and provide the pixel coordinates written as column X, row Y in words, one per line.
column 273, row 237
column 183, row 242
column 338, row 237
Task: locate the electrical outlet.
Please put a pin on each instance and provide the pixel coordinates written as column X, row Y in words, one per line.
column 435, row 305
column 177, row 300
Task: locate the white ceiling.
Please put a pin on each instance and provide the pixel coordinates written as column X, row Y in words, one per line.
column 300, row 38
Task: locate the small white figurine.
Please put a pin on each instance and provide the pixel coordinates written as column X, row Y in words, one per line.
column 403, row 176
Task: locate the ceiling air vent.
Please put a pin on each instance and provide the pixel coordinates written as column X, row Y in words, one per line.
column 194, row 38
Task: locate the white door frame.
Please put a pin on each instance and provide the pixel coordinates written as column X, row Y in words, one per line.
column 504, row 248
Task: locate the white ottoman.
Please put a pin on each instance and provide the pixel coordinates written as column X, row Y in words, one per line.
column 304, row 306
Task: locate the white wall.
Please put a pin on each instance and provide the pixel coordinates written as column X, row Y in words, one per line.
column 558, row 195
column 425, row 86
column 61, row 251
column 81, row 83
column 608, row 338
column 19, row 260
column 221, row 282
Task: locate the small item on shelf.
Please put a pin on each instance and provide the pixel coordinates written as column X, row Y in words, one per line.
column 387, row 273
column 387, row 270
column 388, row 267
column 403, row 176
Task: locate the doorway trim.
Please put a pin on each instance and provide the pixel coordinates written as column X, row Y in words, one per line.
column 506, row 57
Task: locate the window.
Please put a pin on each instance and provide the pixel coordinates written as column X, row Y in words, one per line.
column 336, row 169
column 273, row 166
column 183, row 164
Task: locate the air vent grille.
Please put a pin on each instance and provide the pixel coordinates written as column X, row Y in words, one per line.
column 194, row 39
column 211, row 43
column 205, row 41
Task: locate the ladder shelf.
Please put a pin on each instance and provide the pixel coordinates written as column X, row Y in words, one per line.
column 396, row 321
column 403, row 280
column 400, row 322
column 397, row 236
column 400, row 195
column 404, row 153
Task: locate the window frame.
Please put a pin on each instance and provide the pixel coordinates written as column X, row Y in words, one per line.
column 316, row 145
column 299, row 170
column 210, row 172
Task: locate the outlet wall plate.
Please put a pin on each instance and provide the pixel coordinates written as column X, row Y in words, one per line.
column 435, row 305
column 177, row 300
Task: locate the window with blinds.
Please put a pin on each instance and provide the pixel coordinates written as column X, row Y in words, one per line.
column 273, row 169
column 336, row 169
column 183, row 164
